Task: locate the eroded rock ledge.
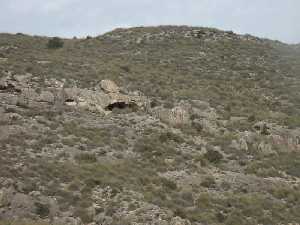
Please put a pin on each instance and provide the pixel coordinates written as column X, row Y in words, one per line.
column 104, row 98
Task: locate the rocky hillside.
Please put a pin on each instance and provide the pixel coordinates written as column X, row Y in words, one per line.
column 156, row 126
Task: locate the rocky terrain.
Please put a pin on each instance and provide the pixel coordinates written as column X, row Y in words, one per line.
column 157, row 126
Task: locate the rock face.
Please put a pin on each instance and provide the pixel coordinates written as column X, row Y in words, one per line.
column 240, row 144
column 46, row 96
column 177, row 116
column 265, row 148
column 262, row 128
column 109, row 86
column 102, row 101
column 179, row 221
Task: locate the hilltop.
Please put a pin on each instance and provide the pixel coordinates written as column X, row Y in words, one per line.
column 151, row 125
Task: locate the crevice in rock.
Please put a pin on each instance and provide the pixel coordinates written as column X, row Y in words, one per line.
column 69, row 100
column 122, row 105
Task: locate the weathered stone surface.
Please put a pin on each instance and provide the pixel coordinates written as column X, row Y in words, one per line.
column 23, row 78
column 66, row 221
column 8, row 84
column 202, row 105
column 53, row 83
column 102, row 219
column 262, row 128
column 265, row 148
column 98, row 101
column 179, row 221
column 109, row 86
column 240, row 144
column 46, row 96
column 176, row 116
column 102, row 100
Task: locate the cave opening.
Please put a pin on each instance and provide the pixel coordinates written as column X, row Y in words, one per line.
column 122, row 106
column 69, row 100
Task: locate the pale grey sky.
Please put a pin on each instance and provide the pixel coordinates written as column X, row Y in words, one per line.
column 274, row 19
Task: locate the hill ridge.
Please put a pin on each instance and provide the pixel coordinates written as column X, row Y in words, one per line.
column 159, row 125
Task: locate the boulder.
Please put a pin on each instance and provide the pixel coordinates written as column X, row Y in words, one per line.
column 53, row 83
column 240, row 144
column 109, row 86
column 23, row 78
column 202, row 105
column 176, row 116
column 6, row 84
column 103, row 219
column 46, row 96
column 295, row 134
column 179, row 221
column 208, row 126
column 287, row 142
column 27, row 98
column 265, row 148
column 66, row 221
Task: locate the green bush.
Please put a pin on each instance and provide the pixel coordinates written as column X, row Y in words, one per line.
column 209, row 182
column 55, row 43
column 42, row 210
column 169, row 136
column 213, row 156
column 287, row 162
column 86, row 158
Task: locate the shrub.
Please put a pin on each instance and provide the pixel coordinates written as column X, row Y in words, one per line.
column 55, row 43
column 213, row 156
column 83, row 214
column 42, row 210
column 125, row 68
column 265, row 130
column 169, row 136
column 292, row 121
column 168, row 184
column 209, row 182
column 86, row 158
column 251, row 118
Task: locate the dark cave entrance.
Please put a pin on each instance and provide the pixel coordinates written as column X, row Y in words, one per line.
column 122, row 106
column 69, row 100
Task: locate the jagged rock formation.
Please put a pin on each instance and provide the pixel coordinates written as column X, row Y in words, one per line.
column 105, row 101
column 109, row 86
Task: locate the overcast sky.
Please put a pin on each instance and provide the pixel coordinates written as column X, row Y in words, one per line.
column 275, row 19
